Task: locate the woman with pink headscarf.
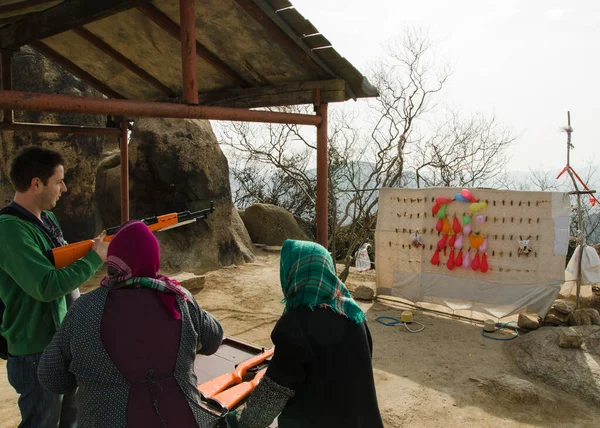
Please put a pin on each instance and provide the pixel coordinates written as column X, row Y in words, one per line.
column 130, row 345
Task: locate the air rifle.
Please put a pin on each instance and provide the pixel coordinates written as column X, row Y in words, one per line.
column 219, row 384
column 65, row 255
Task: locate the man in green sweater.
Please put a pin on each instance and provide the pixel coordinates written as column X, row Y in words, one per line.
column 32, row 290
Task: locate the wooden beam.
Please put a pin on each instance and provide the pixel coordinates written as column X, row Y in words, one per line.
column 75, row 70
column 23, row 5
column 124, row 61
column 281, row 32
column 333, row 90
column 58, row 129
column 63, row 17
column 164, row 22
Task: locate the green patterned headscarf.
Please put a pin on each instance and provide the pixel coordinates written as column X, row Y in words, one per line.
column 308, row 278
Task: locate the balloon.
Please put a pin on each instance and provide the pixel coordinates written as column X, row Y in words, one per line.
column 475, row 263
column 484, row 264
column 473, row 241
column 466, row 219
column 468, row 195
column 442, row 243
column 435, row 260
column 450, row 264
column 439, row 225
column 458, row 259
column 442, row 212
column 435, row 209
column 480, row 219
column 460, row 198
column 483, row 247
column 442, row 201
column 456, row 225
column 458, row 244
column 467, row 229
column 452, row 241
column 467, row 260
column 477, row 206
column 446, row 227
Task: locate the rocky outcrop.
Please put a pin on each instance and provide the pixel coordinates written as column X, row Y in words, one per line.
column 271, row 225
column 177, row 165
column 574, row 368
column 76, row 209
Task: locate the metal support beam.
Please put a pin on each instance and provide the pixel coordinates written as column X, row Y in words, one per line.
column 7, row 56
column 75, row 70
column 164, row 22
column 187, row 37
column 124, row 171
column 123, row 60
column 58, row 129
column 322, row 175
column 33, row 101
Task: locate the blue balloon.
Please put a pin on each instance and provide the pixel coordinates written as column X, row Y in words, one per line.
column 460, row 198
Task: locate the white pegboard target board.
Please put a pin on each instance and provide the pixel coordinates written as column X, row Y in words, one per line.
column 512, row 283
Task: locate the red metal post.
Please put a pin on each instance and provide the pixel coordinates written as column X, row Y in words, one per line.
column 124, row 171
column 7, row 56
column 187, row 34
column 322, row 178
column 33, row 101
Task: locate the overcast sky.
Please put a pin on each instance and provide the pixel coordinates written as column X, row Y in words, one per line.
column 527, row 62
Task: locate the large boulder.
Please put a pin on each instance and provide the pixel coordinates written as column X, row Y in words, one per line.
column 177, row 165
column 574, row 370
column 271, row 225
column 76, row 209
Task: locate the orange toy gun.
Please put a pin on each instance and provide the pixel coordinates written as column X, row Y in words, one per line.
column 219, row 384
column 64, row 256
column 231, row 397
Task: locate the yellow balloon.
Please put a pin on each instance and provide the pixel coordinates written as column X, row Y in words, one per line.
column 477, row 206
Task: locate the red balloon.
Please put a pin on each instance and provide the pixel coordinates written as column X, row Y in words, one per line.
column 442, row 201
column 458, row 259
column 456, row 227
column 451, row 241
column 475, row 262
column 435, row 209
column 450, row 264
column 435, row 260
column 442, row 243
column 466, row 193
column 439, row 225
column 484, row 264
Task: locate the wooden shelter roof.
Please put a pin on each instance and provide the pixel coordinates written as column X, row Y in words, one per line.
column 251, row 53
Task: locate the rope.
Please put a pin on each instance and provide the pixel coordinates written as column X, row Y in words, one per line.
column 151, row 380
column 501, row 327
column 391, row 321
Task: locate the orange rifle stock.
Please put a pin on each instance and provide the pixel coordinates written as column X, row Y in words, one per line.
column 229, row 398
column 65, row 255
column 214, row 386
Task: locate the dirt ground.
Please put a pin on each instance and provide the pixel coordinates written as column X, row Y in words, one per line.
column 440, row 377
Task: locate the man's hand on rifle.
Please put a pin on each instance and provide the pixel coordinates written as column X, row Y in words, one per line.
column 101, row 246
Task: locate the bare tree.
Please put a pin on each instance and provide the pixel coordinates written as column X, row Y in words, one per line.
column 467, row 153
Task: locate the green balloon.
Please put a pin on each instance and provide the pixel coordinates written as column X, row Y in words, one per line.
column 442, row 212
column 466, row 219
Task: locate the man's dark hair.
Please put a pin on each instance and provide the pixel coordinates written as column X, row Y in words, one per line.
column 31, row 162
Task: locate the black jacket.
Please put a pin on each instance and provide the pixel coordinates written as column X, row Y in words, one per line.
column 326, row 359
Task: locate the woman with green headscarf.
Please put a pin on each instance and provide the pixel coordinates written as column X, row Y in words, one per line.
column 321, row 373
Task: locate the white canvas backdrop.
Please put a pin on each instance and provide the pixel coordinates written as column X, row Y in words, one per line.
column 513, row 283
